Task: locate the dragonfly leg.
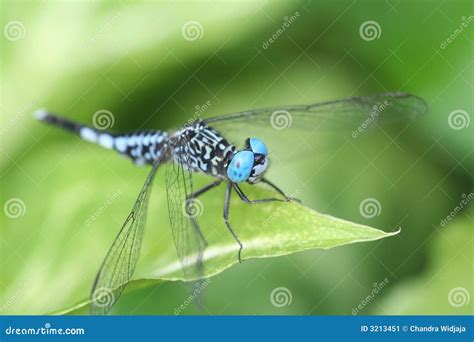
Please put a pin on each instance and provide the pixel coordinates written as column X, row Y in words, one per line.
column 244, row 197
column 193, row 219
column 205, row 189
column 277, row 189
column 226, row 218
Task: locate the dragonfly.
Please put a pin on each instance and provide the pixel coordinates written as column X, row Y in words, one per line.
column 201, row 147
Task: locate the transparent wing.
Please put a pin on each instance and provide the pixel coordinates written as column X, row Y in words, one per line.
column 304, row 133
column 346, row 113
column 184, row 211
column 119, row 264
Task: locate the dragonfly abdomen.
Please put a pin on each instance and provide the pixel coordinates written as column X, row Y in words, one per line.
column 142, row 147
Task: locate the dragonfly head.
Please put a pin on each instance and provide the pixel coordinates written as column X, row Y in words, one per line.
column 249, row 164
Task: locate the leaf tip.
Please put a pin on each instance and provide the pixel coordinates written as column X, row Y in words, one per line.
column 396, row 232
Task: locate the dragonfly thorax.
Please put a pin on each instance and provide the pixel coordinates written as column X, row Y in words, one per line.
column 250, row 164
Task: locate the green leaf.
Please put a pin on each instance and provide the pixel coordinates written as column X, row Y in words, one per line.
column 266, row 230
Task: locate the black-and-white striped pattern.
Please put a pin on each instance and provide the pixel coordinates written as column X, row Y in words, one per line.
column 198, row 146
column 203, row 148
column 142, row 147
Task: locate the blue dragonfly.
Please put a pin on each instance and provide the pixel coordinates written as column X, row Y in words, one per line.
column 200, row 147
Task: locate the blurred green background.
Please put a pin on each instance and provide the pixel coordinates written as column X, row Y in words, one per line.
column 138, row 61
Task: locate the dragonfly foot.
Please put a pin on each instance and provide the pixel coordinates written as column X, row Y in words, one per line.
column 239, row 255
column 292, row 199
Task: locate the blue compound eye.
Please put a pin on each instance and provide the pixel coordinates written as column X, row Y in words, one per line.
column 240, row 166
column 257, row 146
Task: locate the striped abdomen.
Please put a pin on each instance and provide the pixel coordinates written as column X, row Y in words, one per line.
column 142, row 147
